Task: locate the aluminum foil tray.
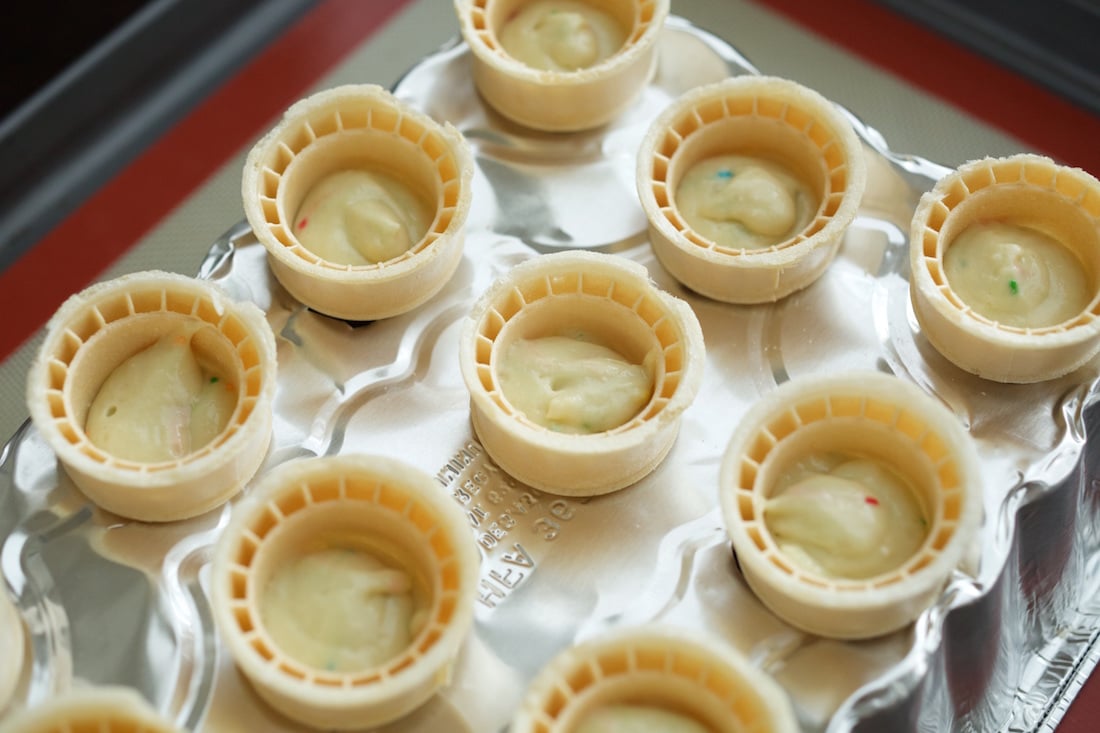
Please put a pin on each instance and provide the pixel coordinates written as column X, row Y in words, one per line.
column 1005, row 647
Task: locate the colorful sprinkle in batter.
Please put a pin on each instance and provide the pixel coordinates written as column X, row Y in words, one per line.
column 843, row 516
column 361, row 217
column 744, row 202
column 1016, row 276
column 161, row 403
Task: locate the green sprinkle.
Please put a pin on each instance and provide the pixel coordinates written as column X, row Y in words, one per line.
column 1013, row 286
column 213, row 380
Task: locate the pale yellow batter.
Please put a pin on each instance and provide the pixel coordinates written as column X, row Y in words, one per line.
column 561, row 35
column 1016, row 276
column 359, row 217
column 638, row 719
column 160, row 404
column 744, row 202
column 573, row 384
column 340, row 610
column 845, row 517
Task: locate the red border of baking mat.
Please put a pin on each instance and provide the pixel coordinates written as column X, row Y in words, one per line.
column 120, row 213
column 983, row 89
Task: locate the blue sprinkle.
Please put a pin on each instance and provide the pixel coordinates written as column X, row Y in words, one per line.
column 725, row 173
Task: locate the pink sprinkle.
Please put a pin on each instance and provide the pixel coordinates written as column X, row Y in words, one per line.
column 871, row 500
column 302, row 224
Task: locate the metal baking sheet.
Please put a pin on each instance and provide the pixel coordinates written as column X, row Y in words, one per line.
column 111, row 601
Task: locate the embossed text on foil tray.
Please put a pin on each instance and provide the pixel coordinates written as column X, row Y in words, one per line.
column 502, row 513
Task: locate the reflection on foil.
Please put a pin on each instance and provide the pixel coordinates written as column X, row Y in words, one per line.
column 523, row 197
column 1004, row 648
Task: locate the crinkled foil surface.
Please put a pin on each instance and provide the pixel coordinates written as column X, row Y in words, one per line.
column 109, row 601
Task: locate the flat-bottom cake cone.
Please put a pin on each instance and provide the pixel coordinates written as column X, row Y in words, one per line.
column 337, row 510
column 97, row 332
column 365, row 129
column 113, row 709
column 1029, row 194
column 567, row 100
column 13, row 643
column 864, row 418
column 782, row 126
column 654, row 670
column 586, row 298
